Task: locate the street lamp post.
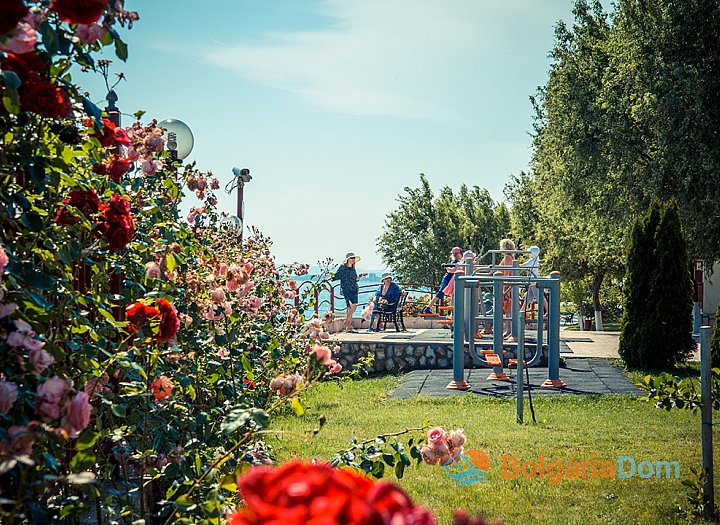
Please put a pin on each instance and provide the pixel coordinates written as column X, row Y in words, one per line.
column 242, row 176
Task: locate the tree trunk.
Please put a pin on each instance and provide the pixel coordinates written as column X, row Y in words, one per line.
column 595, row 289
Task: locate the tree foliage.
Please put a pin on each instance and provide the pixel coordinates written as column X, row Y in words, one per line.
column 418, row 235
column 628, row 112
column 657, row 321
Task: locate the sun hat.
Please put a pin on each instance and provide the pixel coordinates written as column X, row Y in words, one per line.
column 469, row 255
column 351, row 254
column 534, row 251
column 456, row 250
column 385, row 275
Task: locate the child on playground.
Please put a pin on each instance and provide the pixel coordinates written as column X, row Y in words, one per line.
column 455, row 257
column 507, row 246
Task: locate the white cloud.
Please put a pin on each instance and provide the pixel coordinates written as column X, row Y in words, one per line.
column 404, row 58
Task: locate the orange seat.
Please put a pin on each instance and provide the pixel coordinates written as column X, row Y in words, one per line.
column 488, row 352
column 446, row 308
column 445, row 321
column 493, row 360
column 513, row 362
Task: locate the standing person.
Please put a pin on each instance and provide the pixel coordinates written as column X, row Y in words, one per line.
column 507, row 246
column 533, row 266
column 455, row 257
column 386, row 296
column 348, row 283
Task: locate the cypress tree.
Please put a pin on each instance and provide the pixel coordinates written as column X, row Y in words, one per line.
column 669, row 321
column 636, row 290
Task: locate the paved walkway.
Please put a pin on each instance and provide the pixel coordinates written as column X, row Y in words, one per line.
column 583, row 376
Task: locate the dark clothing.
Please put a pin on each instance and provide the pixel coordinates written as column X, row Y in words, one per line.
column 445, row 281
column 348, row 283
column 391, row 296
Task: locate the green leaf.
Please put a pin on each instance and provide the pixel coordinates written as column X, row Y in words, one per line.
column 378, row 469
column 38, row 280
column 389, row 459
column 185, row 503
column 235, row 419
column 11, row 101
column 297, row 407
column 49, row 38
column 38, row 299
column 228, row 482
column 33, row 221
column 83, row 460
column 118, row 410
column 171, row 262
column 121, row 49
column 260, row 417
column 86, row 440
column 399, row 469
column 10, row 79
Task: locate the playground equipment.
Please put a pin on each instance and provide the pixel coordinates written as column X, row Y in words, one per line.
column 469, row 310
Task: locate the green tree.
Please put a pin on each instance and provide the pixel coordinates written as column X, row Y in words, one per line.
column 657, row 322
column 633, row 347
column 715, row 343
column 418, row 235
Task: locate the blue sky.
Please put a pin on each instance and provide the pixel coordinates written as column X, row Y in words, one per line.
column 336, row 106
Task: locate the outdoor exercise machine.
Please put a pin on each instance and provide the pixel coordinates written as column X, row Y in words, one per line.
column 469, row 310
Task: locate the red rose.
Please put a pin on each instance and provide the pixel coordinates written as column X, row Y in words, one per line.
column 41, row 98
column 79, row 11
column 107, row 135
column 297, row 493
column 11, row 12
column 139, row 314
column 86, row 201
column 389, row 504
column 121, row 137
column 117, row 168
column 117, row 226
column 22, row 65
column 64, row 103
column 169, row 322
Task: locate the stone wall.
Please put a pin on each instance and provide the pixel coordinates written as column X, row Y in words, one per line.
column 399, row 356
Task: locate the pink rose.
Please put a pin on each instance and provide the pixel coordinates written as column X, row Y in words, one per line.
column 4, row 259
column 152, row 143
column 222, row 269
column 152, row 270
column 77, row 415
column 7, row 309
column 133, row 154
column 25, row 39
column 89, row 34
column 218, row 295
column 289, row 294
column 24, row 336
column 232, row 285
column 49, row 396
column 334, row 369
column 223, row 353
column 21, row 442
column 322, row 353
column 40, row 359
column 457, row 438
column 8, row 395
column 436, row 436
column 276, row 383
column 96, row 385
column 428, row 455
column 254, row 302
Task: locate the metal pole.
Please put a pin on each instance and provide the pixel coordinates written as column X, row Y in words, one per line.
column 707, row 403
column 553, row 380
column 241, row 187
column 458, row 382
column 520, row 354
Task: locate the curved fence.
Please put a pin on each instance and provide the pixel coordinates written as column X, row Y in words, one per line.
column 327, row 297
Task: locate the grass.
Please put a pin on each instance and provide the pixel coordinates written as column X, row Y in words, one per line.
column 608, row 326
column 569, row 428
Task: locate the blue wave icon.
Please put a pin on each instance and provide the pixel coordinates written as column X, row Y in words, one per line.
column 464, row 472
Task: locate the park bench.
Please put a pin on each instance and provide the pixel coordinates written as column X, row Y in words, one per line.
column 393, row 313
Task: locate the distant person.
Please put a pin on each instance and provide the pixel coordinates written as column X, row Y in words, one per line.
column 459, row 268
column 385, row 299
column 455, row 257
column 507, row 246
column 533, row 266
column 349, row 278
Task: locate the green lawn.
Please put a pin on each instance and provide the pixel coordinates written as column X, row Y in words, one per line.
column 569, row 429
